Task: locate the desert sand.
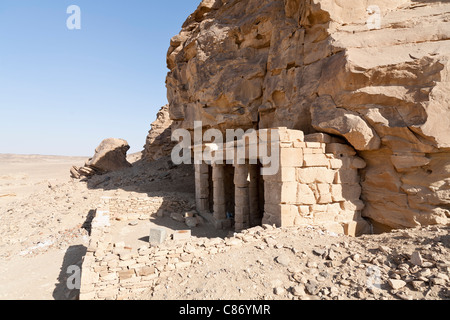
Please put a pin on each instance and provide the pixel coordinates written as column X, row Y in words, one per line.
column 25, row 181
column 45, row 216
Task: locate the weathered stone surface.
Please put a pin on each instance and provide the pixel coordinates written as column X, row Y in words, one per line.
column 157, row 235
column 416, row 258
column 320, row 66
column 329, row 118
column 396, row 284
column 110, row 155
column 284, row 260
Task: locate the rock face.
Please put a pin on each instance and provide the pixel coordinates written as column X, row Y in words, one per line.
column 374, row 72
column 159, row 143
column 110, row 155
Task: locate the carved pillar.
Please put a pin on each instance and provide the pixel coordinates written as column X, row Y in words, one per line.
column 242, row 197
column 202, row 187
column 220, row 210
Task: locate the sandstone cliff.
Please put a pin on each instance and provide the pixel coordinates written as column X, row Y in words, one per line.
column 326, row 66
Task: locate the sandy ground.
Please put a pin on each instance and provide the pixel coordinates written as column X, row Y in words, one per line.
column 29, row 276
column 45, row 216
column 23, row 175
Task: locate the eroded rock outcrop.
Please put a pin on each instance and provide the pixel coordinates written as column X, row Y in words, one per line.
column 321, row 66
column 110, row 155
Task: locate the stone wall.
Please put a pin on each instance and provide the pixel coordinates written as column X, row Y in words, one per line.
column 140, row 207
column 114, row 270
column 318, row 184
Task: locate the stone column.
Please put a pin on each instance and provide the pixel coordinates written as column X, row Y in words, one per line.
column 202, row 187
column 242, row 197
column 220, row 212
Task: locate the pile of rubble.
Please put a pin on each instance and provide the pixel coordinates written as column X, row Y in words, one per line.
column 265, row 263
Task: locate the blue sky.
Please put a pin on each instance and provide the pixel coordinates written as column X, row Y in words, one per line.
column 63, row 91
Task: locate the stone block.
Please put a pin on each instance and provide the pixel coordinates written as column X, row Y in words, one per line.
column 299, row 144
column 315, row 175
column 305, row 195
column 334, row 208
column 288, row 215
column 314, row 145
column 285, row 145
column 127, row 274
column 346, row 216
column 336, row 193
column 296, row 135
column 354, row 205
column 323, row 188
column 283, row 134
column 303, row 221
column 325, row 198
column 336, row 163
column 217, row 223
column 304, row 211
column 289, row 192
column 157, row 235
column 182, row 235
column 109, row 277
column 292, row 157
column 239, row 226
column 315, row 208
column 357, row 228
column 315, row 160
column 287, row 174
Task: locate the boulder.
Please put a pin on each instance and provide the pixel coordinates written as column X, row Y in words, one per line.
column 110, row 155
